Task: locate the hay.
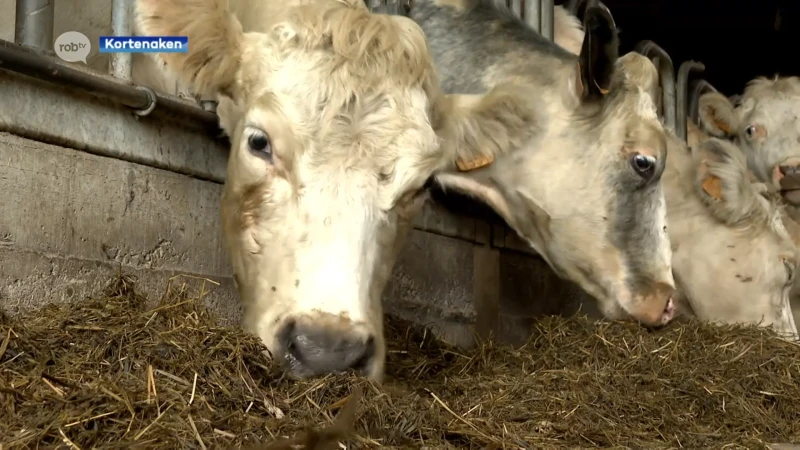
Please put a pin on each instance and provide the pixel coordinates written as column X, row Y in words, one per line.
column 110, row 372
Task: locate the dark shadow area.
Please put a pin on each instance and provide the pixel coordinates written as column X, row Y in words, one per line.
column 464, row 205
column 737, row 40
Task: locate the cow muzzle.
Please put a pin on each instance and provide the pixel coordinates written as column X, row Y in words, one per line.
column 318, row 347
column 655, row 308
column 786, row 177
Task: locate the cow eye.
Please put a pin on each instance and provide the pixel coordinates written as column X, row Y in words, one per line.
column 643, row 165
column 750, row 131
column 259, row 143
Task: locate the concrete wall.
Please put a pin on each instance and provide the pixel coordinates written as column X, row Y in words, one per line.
column 88, row 188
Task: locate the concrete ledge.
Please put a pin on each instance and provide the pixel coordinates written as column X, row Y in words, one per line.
column 49, row 113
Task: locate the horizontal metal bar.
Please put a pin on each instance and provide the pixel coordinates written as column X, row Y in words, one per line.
column 19, row 59
column 69, row 117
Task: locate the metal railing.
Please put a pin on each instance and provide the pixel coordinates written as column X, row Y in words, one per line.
column 34, row 29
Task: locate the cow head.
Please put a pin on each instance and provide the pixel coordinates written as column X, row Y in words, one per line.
column 733, row 260
column 585, row 189
column 766, row 126
column 336, row 123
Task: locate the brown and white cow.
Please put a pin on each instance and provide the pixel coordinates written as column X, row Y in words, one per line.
column 766, row 126
column 337, row 122
column 583, row 188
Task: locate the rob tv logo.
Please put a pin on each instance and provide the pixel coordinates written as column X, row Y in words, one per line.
column 74, row 46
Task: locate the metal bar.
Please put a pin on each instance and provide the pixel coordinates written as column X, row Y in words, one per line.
column 666, row 72
column 21, row 60
column 546, row 18
column 683, row 94
column 698, row 88
column 34, row 26
column 516, row 8
column 533, row 13
column 121, row 26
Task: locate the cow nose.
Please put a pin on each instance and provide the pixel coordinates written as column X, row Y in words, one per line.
column 314, row 349
column 657, row 307
column 789, row 175
column 789, row 169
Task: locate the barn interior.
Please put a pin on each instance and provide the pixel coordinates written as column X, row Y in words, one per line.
column 153, row 357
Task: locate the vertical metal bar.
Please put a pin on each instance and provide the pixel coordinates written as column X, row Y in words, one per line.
column 533, row 13
column 34, row 26
column 375, row 3
column 546, row 19
column 516, row 8
column 121, row 26
column 682, row 96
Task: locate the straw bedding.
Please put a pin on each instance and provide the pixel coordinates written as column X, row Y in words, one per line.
column 117, row 372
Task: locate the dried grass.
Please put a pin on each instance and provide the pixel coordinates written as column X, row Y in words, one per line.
column 110, row 372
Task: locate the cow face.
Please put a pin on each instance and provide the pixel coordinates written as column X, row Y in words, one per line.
column 336, row 123
column 584, row 188
column 733, row 260
column 766, row 126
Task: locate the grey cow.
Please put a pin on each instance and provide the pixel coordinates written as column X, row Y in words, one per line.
column 583, row 186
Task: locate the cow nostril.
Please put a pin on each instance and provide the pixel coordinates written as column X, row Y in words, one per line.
column 788, row 170
column 316, row 350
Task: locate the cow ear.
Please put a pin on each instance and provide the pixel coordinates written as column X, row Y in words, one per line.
column 215, row 39
column 230, row 113
column 722, row 182
column 717, row 115
column 475, row 130
column 599, row 54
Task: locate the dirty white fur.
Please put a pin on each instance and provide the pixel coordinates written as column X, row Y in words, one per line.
column 357, row 124
column 730, row 255
column 780, row 225
column 567, row 30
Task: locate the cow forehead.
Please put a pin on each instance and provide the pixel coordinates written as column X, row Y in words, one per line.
column 366, row 150
column 357, row 107
column 780, row 111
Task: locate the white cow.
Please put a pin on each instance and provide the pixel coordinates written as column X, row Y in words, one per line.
column 766, row 126
column 336, row 121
